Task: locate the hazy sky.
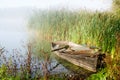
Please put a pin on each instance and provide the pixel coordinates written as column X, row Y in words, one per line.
column 10, row 19
column 46, row 4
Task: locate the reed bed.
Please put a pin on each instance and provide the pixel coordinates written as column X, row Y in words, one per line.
column 27, row 66
column 99, row 29
column 18, row 66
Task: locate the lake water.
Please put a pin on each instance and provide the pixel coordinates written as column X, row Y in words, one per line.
column 14, row 35
column 12, row 28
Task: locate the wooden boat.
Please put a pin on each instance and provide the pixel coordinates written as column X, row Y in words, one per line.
column 76, row 54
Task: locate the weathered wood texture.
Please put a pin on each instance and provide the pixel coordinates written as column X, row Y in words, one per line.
column 76, row 54
column 85, row 62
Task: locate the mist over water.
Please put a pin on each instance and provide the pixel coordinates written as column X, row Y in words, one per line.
column 12, row 28
column 101, row 5
column 76, row 5
column 14, row 18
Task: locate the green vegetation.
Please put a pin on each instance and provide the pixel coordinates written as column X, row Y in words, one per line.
column 99, row 76
column 101, row 29
column 116, row 7
column 27, row 67
column 98, row 29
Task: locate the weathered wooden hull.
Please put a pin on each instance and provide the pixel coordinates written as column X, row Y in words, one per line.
column 85, row 60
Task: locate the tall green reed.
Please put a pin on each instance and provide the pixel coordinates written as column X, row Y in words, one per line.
column 90, row 28
column 98, row 29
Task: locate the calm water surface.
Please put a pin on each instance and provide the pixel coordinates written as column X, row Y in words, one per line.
column 15, row 36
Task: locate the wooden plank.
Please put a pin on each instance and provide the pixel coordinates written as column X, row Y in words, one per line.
column 76, row 54
column 70, row 46
column 88, row 63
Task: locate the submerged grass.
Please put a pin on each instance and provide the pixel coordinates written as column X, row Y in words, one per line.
column 28, row 66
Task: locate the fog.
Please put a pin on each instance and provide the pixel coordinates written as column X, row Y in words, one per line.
column 100, row 5
column 13, row 24
column 14, row 15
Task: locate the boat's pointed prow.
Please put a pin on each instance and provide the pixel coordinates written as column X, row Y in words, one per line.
column 53, row 44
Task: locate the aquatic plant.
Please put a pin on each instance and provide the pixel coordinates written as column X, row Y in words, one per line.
column 99, row 29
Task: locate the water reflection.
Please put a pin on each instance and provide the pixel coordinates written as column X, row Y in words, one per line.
column 13, row 35
column 12, row 40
